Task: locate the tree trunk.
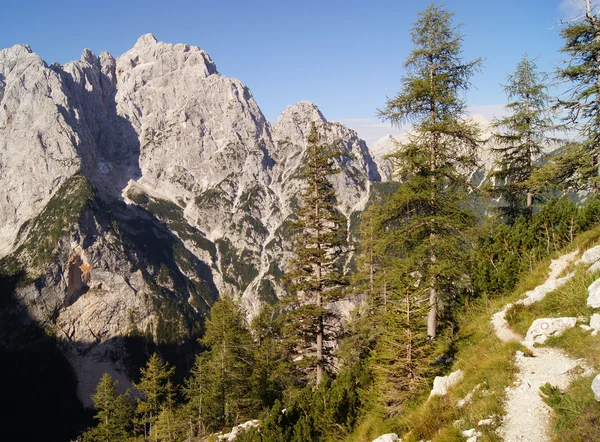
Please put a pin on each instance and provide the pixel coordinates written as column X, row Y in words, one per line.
column 433, row 308
column 319, row 341
column 319, row 301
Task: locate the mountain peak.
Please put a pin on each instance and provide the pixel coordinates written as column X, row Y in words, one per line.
column 146, row 40
column 302, row 112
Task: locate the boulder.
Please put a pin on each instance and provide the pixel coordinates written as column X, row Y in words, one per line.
column 596, row 387
column 441, row 384
column 594, row 294
column 591, row 256
column 390, row 437
column 595, row 322
column 544, row 327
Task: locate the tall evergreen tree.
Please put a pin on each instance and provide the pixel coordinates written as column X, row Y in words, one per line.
column 423, row 224
column 114, row 413
column 270, row 371
column 220, row 387
column 315, row 275
column 156, row 387
column 580, row 163
column 521, row 136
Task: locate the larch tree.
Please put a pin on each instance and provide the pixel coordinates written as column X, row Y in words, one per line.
column 424, row 222
column 114, row 412
column 521, row 137
column 156, row 387
column 315, row 276
column 220, row 386
column 579, row 165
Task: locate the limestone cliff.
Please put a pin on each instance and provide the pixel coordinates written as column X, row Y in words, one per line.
column 136, row 190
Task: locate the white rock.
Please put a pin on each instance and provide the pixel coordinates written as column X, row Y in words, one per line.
column 594, row 294
column 390, row 437
column 485, row 422
column 591, row 256
column 441, row 384
column 596, row 387
column 595, row 321
column 594, row 267
column 470, row 433
column 544, row 327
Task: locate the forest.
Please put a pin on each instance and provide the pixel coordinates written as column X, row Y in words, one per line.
column 434, row 250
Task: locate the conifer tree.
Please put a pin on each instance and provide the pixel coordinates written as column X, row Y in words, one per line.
column 114, row 412
column 220, row 386
column 521, row 136
column 155, row 386
column 579, row 164
column 270, row 370
column 315, row 276
column 423, row 224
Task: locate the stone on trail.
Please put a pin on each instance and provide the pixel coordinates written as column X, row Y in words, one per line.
column 544, row 327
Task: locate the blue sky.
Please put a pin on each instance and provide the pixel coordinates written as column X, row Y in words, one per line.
column 345, row 56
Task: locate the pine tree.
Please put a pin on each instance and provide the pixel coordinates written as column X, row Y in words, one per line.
column 315, row 276
column 114, row 412
column 219, row 389
column 521, row 136
column 423, row 225
column 155, row 386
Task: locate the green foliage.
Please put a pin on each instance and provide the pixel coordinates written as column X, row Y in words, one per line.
column 577, row 166
column 581, row 70
column 237, row 268
column 172, row 215
column 315, row 276
column 220, row 384
column 577, row 413
column 156, row 389
column 59, row 217
column 271, row 370
column 521, row 137
column 114, row 413
column 328, row 412
column 421, row 229
column 503, row 252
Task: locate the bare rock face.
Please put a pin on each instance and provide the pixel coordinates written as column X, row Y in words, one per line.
column 38, row 148
column 136, row 190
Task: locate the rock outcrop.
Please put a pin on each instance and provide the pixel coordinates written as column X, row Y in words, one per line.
column 441, row 384
column 542, row 328
column 138, row 189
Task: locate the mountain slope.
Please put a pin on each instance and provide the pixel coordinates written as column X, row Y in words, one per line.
column 141, row 188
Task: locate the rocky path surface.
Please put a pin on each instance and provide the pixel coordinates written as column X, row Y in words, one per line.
column 527, row 416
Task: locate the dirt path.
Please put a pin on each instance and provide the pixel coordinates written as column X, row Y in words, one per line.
column 527, row 417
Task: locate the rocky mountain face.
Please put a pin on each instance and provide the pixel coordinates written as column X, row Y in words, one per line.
column 137, row 190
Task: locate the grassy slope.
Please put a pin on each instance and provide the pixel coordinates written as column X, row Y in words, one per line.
column 487, row 362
